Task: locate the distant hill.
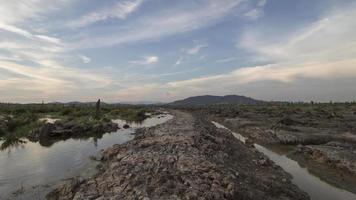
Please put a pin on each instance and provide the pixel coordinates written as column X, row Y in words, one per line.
column 141, row 102
column 105, row 103
column 209, row 100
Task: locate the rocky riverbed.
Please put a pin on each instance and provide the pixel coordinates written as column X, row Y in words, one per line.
column 185, row 158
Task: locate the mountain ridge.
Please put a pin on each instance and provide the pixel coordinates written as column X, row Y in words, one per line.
column 213, row 99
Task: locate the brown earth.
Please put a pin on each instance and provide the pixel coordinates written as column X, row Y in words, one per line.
column 185, row 158
column 335, row 154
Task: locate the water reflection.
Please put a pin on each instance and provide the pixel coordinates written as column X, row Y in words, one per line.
column 306, row 181
column 11, row 142
column 36, row 167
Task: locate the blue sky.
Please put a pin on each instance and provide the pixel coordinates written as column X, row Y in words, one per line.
column 159, row 50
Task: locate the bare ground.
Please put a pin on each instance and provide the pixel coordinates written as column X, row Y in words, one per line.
column 185, row 158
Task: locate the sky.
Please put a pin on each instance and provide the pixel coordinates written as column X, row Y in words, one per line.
column 161, row 51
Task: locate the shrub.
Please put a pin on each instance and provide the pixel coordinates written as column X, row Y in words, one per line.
column 66, row 111
column 2, row 132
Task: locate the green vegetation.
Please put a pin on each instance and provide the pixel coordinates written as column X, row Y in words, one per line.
column 135, row 115
column 18, row 120
column 11, row 141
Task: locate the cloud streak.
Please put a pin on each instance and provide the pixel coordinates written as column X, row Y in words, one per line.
column 18, row 11
column 148, row 60
column 172, row 22
column 85, row 59
column 299, row 60
column 120, row 10
column 254, row 14
column 27, row 34
column 196, row 49
column 308, row 43
column 242, row 78
column 47, row 52
column 51, row 80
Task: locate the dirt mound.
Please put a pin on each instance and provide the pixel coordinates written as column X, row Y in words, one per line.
column 185, row 158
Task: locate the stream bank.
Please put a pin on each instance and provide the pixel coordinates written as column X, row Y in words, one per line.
column 302, row 176
column 185, row 158
column 30, row 170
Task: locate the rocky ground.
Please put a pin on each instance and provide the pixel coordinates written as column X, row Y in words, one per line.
column 290, row 124
column 332, row 147
column 335, row 162
column 287, row 131
column 336, row 154
column 185, row 158
column 325, row 134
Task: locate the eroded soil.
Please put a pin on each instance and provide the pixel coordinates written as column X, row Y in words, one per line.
column 185, row 158
column 322, row 135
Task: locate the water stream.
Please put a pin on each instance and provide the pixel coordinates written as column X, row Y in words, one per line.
column 314, row 186
column 29, row 170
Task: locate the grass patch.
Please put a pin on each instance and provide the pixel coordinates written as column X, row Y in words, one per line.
column 132, row 115
column 18, row 120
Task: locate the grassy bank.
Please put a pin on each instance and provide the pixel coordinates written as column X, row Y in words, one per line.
column 17, row 120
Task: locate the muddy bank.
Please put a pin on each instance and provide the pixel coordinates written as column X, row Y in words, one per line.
column 31, row 170
column 330, row 156
column 52, row 132
column 307, row 124
column 185, row 158
column 285, row 132
column 333, row 161
column 335, row 154
column 311, row 126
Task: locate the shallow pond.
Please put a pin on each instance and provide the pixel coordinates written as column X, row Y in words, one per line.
column 306, row 181
column 29, row 170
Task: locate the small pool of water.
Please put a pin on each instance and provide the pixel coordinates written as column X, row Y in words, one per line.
column 314, row 186
column 29, row 171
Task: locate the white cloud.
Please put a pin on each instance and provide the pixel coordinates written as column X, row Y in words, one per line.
column 308, row 43
column 10, row 58
column 165, row 23
column 257, row 11
column 32, row 64
column 196, row 49
column 51, row 79
column 49, row 39
column 322, row 51
column 34, row 51
column 243, row 78
column 190, row 52
column 85, row 59
column 27, row 34
column 120, row 9
column 225, row 60
column 179, row 61
column 20, row 10
column 148, row 60
column 16, row 30
column 254, row 14
column 305, row 66
column 262, row 3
